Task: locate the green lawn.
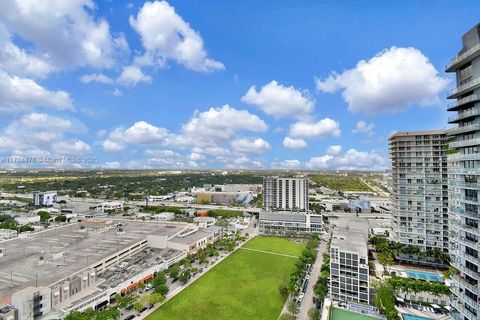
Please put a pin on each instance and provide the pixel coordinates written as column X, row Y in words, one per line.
column 339, row 314
column 243, row 286
column 277, row 245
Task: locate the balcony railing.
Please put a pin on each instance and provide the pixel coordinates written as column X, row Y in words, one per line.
column 463, row 88
column 465, row 114
column 464, row 143
column 463, row 157
column 463, row 129
column 460, row 57
column 458, row 170
column 459, row 102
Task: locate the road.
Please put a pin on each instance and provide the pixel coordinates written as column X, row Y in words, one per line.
column 307, row 301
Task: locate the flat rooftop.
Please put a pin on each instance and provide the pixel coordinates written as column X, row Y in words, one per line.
column 20, row 267
column 351, row 235
column 195, row 236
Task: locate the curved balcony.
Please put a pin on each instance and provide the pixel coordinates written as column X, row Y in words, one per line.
column 464, row 129
column 464, row 88
column 460, row 102
column 464, row 143
column 461, row 59
column 464, row 115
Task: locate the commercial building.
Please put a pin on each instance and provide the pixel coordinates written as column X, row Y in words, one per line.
column 349, row 277
column 8, row 313
column 193, row 239
column 48, row 198
column 464, row 178
column 420, row 188
column 281, row 193
column 72, row 268
column 279, row 222
column 224, row 198
column 110, row 206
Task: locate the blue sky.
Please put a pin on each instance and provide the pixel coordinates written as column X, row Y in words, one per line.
column 214, row 84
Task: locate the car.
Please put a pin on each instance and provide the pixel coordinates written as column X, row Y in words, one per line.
column 148, row 286
column 130, row 317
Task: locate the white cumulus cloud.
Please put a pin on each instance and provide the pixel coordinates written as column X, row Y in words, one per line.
column 21, row 94
column 334, row 150
column 62, row 33
column 388, row 82
column 245, row 145
column 132, row 75
column 294, row 144
column 279, row 101
column 363, row 127
column 165, row 35
column 323, row 128
column 96, row 77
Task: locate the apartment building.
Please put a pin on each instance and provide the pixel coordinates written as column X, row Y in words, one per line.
column 281, row 193
column 464, row 177
column 420, row 188
column 349, row 278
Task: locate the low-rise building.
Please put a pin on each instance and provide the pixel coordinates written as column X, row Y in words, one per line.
column 7, row 234
column 289, row 221
column 27, row 219
column 32, row 302
column 191, row 240
column 8, row 312
column 164, row 216
column 110, row 206
column 204, row 222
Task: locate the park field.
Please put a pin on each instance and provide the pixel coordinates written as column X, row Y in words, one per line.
column 243, row 286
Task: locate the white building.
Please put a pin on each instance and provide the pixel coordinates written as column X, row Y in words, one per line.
column 48, row 198
column 191, row 240
column 32, row 303
column 7, row 234
column 27, row 219
column 271, row 222
column 164, row 216
column 110, row 206
column 349, row 277
column 281, row 193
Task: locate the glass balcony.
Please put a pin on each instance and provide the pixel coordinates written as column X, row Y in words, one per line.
column 463, row 157
column 460, row 102
column 462, row 58
column 464, row 88
column 463, row 129
column 464, row 143
column 465, row 114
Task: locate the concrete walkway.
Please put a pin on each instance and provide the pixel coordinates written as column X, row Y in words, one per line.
column 307, row 301
column 274, row 253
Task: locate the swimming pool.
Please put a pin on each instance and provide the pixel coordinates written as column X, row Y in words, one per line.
column 406, row 316
column 422, row 275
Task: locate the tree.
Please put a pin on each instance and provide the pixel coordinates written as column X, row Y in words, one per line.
column 286, row 316
column 292, row 307
column 44, row 215
column 174, row 271
column 139, row 306
column 283, row 288
column 184, row 276
column 60, row 218
column 314, row 313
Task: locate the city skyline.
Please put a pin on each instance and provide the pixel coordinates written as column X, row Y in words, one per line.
column 230, row 91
